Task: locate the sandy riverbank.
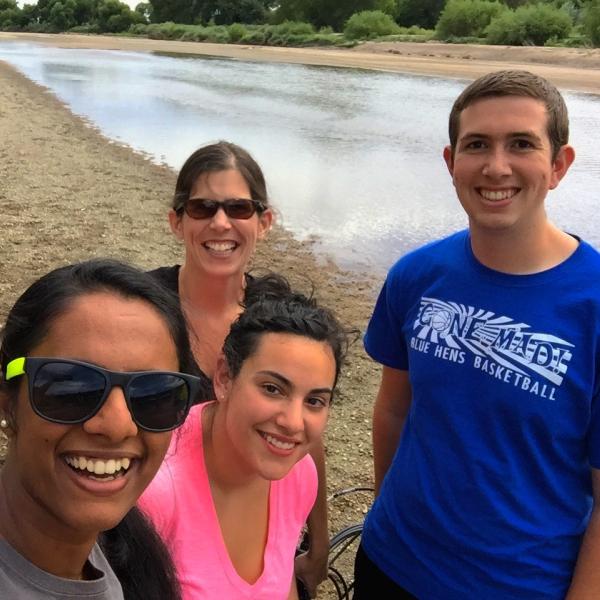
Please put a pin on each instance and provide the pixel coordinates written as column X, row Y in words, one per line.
column 569, row 68
column 67, row 193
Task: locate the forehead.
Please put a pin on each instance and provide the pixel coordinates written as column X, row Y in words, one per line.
column 292, row 354
column 229, row 182
column 111, row 330
column 503, row 115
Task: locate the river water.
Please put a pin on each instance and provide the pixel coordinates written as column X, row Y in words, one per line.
column 353, row 159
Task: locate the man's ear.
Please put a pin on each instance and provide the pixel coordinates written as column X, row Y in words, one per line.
column 564, row 159
column 449, row 159
column 175, row 222
column 222, row 379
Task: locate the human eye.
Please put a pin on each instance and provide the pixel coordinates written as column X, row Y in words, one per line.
column 317, row 402
column 522, row 144
column 271, row 389
column 472, row 145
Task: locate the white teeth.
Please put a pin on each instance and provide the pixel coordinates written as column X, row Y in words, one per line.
column 220, row 246
column 497, row 194
column 98, row 466
column 278, row 443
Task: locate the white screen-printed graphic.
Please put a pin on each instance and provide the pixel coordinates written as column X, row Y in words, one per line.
column 512, row 346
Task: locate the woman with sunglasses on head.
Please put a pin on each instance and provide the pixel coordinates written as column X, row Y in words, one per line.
column 220, row 211
column 231, row 498
column 92, row 358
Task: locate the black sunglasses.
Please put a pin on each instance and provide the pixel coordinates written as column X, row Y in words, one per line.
column 235, row 208
column 70, row 391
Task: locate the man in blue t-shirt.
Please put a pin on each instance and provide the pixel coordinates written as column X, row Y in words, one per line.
column 486, row 427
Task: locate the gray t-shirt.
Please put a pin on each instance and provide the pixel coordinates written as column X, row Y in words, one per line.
column 22, row 580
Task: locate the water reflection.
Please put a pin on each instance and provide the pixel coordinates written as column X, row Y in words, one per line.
column 353, row 157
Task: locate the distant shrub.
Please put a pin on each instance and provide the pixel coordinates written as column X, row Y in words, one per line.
column 197, row 34
column 326, row 39
column 467, row 18
column 591, row 21
column 89, row 28
column 139, row 29
column 292, row 28
column 416, row 30
column 217, row 34
column 257, row 37
column 532, row 24
column 370, row 24
column 236, row 32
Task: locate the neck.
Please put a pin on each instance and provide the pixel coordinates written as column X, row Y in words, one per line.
column 210, row 294
column 522, row 252
column 226, row 469
column 37, row 536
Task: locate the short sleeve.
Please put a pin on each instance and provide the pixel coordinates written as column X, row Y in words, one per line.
column 383, row 340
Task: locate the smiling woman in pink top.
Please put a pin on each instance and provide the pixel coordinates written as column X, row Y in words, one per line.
column 237, row 485
column 220, row 212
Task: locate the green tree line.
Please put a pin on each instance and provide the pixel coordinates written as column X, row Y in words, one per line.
column 517, row 22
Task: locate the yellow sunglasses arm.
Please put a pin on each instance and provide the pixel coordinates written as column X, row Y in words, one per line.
column 15, row 367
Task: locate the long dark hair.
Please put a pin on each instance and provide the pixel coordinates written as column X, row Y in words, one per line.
column 134, row 550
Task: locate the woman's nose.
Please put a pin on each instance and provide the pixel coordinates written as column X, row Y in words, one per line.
column 113, row 420
column 220, row 220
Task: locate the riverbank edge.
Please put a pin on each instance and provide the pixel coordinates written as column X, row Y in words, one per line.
column 454, row 61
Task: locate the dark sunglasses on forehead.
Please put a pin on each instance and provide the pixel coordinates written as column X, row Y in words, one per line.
column 234, row 208
column 70, row 391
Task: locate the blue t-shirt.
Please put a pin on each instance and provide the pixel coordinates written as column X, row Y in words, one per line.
column 490, row 490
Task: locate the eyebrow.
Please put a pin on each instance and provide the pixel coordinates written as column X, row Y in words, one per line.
column 512, row 134
column 288, row 383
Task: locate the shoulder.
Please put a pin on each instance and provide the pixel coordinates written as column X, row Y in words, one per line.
column 587, row 258
column 301, row 483
column 168, row 276
column 436, row 254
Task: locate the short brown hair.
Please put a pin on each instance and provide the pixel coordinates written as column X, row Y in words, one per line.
column 515, row 83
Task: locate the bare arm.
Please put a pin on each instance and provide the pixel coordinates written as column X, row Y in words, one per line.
column 391, row 407
column 311, row 567
column 586, row 577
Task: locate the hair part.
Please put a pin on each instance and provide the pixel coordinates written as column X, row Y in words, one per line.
column 515, row 83
column 220, row 156
column 271, row 306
